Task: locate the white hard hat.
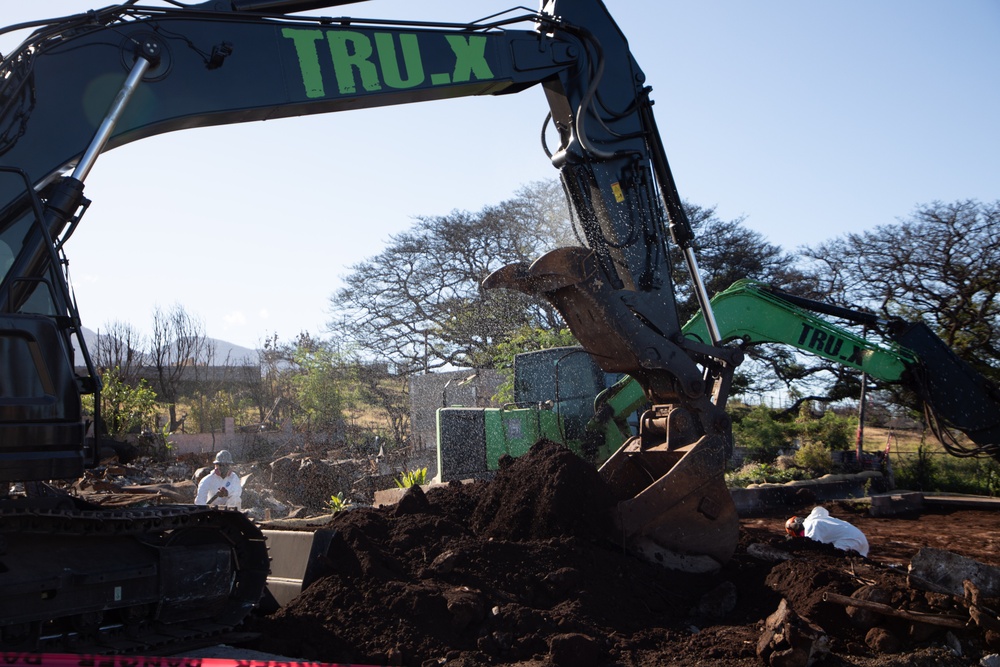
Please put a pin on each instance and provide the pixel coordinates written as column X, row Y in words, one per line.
column 224, row 457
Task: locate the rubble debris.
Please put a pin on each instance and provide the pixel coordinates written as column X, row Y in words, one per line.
column 515, row 572
column 789, row 640
column 863, row 616
column 888, row 610
column 768, row 553
column 181, row 492
column 944, row 572
column 982, row 612
column 882, row 640
column 892, row 504
column 310, row 481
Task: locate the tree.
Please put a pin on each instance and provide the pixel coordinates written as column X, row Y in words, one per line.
column 179, row 346
column 421, row 302
column 728, row 251
column 120, row 348
column 274, row 395
column 323, row 383
column 387, row 392
column 224, row 389
column 125, row 407
column 761, row 434
column 942, row 265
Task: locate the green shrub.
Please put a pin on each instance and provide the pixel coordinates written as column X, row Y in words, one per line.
column 337, row 503
column 761, row 434
column 124, row 408
column 760, row 473
column 835, row 432
column 930, row 470
column 814, row 457
column 412, row 478
column 918, row 472
column 980, row 476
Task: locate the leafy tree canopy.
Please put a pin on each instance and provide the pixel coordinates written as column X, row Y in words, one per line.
column 420, row 302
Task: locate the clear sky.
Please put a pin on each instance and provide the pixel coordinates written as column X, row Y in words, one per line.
column 811, row 119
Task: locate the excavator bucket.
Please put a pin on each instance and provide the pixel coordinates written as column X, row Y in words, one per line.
column 676, row 509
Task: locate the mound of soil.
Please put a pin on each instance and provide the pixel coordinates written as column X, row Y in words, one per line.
column 523, row 570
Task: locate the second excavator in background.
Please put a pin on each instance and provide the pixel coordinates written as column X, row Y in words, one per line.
column 560, row 394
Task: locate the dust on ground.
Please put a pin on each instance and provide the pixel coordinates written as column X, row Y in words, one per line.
column 523, row 570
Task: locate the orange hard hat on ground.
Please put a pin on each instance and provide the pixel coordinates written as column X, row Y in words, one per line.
column 794, row 526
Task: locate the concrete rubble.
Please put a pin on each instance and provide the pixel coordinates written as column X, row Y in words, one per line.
column 290, row 486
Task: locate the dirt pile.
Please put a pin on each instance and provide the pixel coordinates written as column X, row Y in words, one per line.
column 523, row 570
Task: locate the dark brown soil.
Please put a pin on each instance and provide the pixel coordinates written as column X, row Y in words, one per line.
column 523, row 570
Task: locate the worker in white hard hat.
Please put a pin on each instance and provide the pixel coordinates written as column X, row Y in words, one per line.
column 822, row 527
column 221, row 487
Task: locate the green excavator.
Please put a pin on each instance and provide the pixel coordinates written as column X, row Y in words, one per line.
column 560, row 394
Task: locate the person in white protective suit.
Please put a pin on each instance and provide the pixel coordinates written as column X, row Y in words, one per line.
column 822, row 527
column 221, row 487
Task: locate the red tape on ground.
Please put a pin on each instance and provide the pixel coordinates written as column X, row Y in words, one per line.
column 71, row 660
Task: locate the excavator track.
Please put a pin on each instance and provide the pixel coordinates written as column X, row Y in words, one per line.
column 126, row 581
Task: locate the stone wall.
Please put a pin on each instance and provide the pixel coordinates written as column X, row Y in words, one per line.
column 244, row 447
column 464, row 388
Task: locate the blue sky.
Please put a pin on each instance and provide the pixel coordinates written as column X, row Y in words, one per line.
column 811, row 119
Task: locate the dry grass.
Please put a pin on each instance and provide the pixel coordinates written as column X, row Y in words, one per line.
column 922, row 463
column 904, row 441
column 907, row 442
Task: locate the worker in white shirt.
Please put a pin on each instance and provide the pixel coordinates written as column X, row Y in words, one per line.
column 221, row 487
column 822, row 527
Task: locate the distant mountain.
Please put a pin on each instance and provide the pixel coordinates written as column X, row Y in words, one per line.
column 224, row 350
column 235, row 353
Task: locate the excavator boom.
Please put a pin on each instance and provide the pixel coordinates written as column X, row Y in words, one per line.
column 84, row 84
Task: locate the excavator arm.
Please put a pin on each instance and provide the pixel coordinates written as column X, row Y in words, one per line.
column 752, row 312
column 92, row 82
column 954, row 396
column 84, row 84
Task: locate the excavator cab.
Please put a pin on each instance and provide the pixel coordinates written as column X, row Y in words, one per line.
column 42, row 428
